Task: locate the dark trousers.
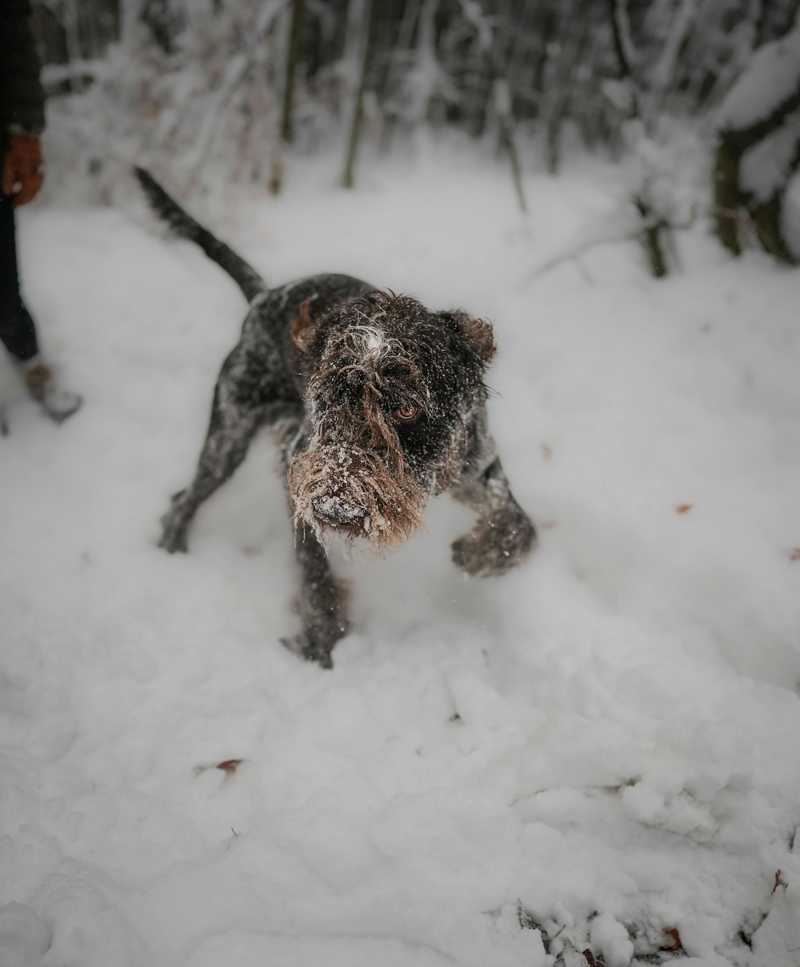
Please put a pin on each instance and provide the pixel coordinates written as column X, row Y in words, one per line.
column 17, row 331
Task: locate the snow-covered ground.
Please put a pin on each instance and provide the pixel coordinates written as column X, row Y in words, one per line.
column 600, row 748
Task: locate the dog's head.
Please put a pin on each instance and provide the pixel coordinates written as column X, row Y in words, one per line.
column 390, row 392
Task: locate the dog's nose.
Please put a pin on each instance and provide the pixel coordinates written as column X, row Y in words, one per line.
column 334, row 510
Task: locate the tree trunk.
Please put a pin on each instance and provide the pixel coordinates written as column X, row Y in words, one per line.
column 620, row 35
column 292, row 60
column 729, row 196
column 508, row 142
column 654, row 228
column 767, row 218
column 286, row 135
column 349, row 174
column 652, row 239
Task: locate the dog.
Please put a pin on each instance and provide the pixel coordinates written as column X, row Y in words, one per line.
column 378, row 404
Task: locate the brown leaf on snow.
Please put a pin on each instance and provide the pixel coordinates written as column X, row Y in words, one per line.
column 674, row 943
column 683, row 508
column 229, row 766
column 547, row 453
column 794, row 554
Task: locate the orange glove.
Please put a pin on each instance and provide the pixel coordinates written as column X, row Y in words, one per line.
column 23, row 168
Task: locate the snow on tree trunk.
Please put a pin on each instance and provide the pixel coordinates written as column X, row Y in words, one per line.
column 756, row 153
column 769, row 215
column 639, row 129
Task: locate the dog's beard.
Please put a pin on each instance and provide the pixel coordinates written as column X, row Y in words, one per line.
column 373, row 501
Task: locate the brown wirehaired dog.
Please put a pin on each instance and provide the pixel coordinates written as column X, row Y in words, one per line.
column 379, row 403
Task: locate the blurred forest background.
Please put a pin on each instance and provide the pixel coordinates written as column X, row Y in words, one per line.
column 699, row 100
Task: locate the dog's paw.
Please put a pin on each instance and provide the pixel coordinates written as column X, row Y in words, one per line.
column 175, row 528
column 318, row 638
column 174, row 541
column 494, row 546
column 305, row 646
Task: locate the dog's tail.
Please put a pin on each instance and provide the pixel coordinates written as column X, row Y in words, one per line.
column 182, row 223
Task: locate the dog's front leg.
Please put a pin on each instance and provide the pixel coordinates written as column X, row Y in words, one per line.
column 321, row 602
column 223, row 451
column 503, row 534
column 235, row 418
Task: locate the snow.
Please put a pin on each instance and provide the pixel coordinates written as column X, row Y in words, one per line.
column 771, row 77
column 593, row 750
column 610, row 939
column 766, row 167
column 23, row 936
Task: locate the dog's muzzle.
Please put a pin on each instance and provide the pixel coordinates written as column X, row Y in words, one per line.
column 355, row 493
column 335, row 512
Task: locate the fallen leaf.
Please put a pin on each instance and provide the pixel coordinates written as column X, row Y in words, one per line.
column 547, row 453
column 683, row 508
column 794, row 554
column 229, row 766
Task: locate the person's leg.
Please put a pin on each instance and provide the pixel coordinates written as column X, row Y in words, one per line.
column 17, row 330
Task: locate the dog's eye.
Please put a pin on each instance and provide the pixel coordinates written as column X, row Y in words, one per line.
column 405, row 413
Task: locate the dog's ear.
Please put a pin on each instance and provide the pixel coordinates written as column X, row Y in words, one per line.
column 302, row 327
column 478, row 334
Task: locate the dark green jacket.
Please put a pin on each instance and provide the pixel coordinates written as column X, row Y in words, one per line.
column 21, row 94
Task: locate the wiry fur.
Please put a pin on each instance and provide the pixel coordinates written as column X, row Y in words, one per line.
column 380, row 403
column 390, row 500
